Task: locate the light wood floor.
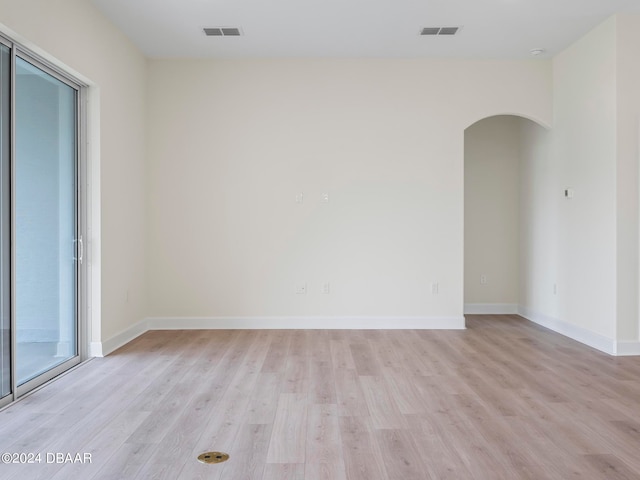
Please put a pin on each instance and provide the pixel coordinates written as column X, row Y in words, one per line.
column 504, row 399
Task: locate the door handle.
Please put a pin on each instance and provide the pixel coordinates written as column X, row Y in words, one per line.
column 80, row 250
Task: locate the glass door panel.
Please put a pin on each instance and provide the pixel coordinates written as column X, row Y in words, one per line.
column 45, row 276
column 5, row 226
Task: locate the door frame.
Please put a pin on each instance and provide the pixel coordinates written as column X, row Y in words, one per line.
column 81, row 220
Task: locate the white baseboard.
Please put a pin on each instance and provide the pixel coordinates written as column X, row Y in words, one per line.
column 307, row 323
column 95, row 349
column 102, row 349
column 594, row 340
column 490, row 308
column 604, row 344
column 626, row 348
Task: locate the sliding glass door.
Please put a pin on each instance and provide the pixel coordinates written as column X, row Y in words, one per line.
column 44, row 221
column 40, row 230
column 5, row 229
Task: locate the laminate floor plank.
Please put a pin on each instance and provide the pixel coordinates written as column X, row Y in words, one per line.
column 383, row 409
column 504, row 399
column 556, row 462
column 276, row 358
column 247, row 456
column 400, row 455
column 319, row 347
column 404, row 392
column 300, row 343
column 365, row 359
column 430, row 358
column 610, row 467
column 322, row 385
column 341, row 357
column 126, row 462
column 325, row 471
column 283, row 471
column 409, row 361
column 107, row 448
column 296, row 377
column 156, row 426
column 264, row 399
column 500, row 400
column 349, row 395
column 323, row 442
column 360, row 451
column 288, row 437
column 387, row 355
column 435, row 392
column 435, row 447
column 257, row 352
column 619, row 438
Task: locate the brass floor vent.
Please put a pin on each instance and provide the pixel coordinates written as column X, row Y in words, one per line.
column 213, row 457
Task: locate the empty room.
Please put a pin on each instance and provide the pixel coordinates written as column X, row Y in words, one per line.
column 384, row 240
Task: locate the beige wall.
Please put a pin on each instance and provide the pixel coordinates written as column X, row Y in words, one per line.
column 72, row 33
column 231, row 143
column 579, row 256
column 491, row 211
column 584, row 147
column 628, row 138
column 588, row 245
column 541, row 195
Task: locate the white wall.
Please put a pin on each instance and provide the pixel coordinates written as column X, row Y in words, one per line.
column 73, row 33
column 588, row 244
column 540, row 201
column 579, row 256
column 584, row 149
column 628, row 128
column 231, row 143
column 491, row 211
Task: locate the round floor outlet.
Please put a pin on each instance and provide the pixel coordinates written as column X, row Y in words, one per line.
column 213, row 457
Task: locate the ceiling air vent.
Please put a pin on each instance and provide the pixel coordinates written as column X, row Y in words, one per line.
column 440, row 30
column 222, row 32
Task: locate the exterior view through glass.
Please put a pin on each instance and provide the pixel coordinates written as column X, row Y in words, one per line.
column 44, row 221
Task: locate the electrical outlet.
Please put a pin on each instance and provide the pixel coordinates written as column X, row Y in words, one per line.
column 483, row 279
column 434, row 288
column 301, row 289
column 300, row 198
column 326, row 288
column 324, row 198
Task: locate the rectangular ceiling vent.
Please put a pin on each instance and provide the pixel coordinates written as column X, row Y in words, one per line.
column 222, row 32
column 440, row 30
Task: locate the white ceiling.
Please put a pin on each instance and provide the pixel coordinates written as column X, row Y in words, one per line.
column 358, row 28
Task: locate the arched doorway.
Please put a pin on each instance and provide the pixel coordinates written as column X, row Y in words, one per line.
column 504, row 196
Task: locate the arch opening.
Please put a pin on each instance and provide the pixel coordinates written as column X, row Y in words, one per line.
column 506, row 185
